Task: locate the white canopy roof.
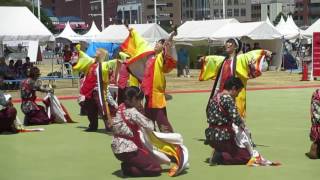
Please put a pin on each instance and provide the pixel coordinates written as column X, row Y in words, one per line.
column 315, row 27
column 69, row 34
column 291, row 23
column 201, row 30
column 288, row 29
column 18, row 24
column 92, row 33
column 253, row 30
column 282, row 22
column 118, row 33
column 269, row 22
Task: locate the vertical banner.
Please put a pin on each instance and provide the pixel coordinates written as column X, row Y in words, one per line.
column 316, row 54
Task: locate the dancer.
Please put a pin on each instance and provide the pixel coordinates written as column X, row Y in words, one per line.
column 141, row 150
column 126, row 144
column 34, row 113
column 222, row 113
column 95, row 86
column 156, row 63
column 8, row 113
column 244, row 66
column 314, row 152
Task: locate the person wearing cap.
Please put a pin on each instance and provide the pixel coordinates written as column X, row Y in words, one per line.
column 244, row 66
column 95, row 86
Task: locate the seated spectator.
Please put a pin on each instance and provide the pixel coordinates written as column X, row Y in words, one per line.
column 27, row 65
column 18, row 69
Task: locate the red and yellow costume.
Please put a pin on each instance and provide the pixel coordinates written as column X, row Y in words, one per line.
column 244, row 66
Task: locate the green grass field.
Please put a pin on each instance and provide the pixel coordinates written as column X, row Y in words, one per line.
column 279, row 121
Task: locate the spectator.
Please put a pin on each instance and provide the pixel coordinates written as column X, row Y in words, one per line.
column 18, row 69
column 246, row 48
column 183, row 62
column 27, row 65
column 67, row 54
column 4, row 68
column 256, row 45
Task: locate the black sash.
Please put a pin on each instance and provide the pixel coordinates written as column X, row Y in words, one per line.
column 218, row 77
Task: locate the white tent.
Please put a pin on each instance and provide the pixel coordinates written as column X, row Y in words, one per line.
column 69, row 34
column 282, row 22
column 253, row 30
column 291, row 23
column 315, row 27
column 118, row 33
column 269, row 22
column 19, row 24
column 288, row 29
column 262, row 32
column 195, row 31
column 92, row 33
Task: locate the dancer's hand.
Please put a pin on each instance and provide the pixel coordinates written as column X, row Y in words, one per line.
column 268, row 53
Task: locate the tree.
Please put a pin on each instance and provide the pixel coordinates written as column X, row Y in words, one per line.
column 44, row 18
column 277, row 20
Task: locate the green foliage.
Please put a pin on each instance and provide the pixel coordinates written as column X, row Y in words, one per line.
column 44, row 18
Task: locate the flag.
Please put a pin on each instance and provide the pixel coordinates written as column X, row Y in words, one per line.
column 139, row 50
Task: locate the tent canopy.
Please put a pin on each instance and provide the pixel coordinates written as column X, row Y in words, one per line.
column 288, row 29
column 118, row 33
column 253, row 30
column 92, row 33
column 19, row 24
column 262, row 32
column 200, row 30
column 315, row 27
column 69, row 34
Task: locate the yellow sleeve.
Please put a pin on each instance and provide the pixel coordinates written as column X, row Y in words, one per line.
column 133, row 81
column 83, row 63
column 112, row 64
column 249, row 65
column 210, row 67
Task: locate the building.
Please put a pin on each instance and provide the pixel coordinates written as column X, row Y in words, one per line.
column 213, row 9
column 142, row 11
column 86, row 10
column 110, row 12
column 261, row 9
column 195, row 10
column 306, row 12
column 130, row 11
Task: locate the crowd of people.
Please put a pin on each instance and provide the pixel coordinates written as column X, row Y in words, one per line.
column 15, row 70
column 127, row 118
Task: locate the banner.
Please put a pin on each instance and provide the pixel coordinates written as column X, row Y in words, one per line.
column 316, row 54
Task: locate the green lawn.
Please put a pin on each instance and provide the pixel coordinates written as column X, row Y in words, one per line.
column 279, row 121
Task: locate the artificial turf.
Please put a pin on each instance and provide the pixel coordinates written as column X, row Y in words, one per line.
column 279, row 121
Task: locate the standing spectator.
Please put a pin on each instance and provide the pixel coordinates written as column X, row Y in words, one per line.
column 67, row 54
column 256, row 46
column 27, row 65
column 183, row 62
column 246, row 48
column 3, row 67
